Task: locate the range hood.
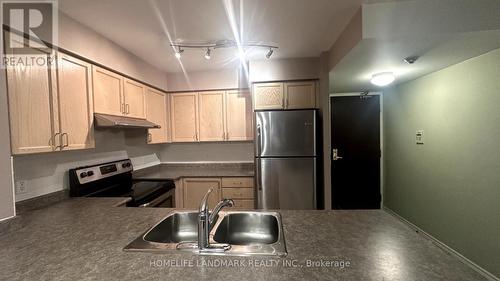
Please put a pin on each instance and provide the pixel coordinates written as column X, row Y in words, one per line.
column 111, row 121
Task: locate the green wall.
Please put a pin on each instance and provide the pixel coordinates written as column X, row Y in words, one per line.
column 450, row 186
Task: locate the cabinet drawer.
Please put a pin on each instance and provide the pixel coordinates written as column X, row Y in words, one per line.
column 237, row 193
column 237, row 182
column 243, row 204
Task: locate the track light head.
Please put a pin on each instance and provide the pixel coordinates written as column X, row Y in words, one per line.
column 178, row 53
column 269, row 53
column 207, row 54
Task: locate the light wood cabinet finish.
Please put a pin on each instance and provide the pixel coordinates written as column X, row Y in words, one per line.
column 243, row 204
column 134, row 99
column 32, row 108
column 156, row 109
column 239, row 116
column 195, row 188
column 75, row 103
column 211, row 113
column 300, row 95
column 107, row 87
column 268, row 96
column 238, row 182
column 183, row 113
column 237, row 193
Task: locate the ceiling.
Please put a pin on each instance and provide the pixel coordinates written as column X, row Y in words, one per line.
column 145, row 28
column 441, row 32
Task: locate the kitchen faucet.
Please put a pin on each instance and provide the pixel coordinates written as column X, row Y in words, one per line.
column 205, row 221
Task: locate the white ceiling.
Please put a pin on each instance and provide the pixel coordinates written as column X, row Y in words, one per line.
column 441, row 32
column 299, row 28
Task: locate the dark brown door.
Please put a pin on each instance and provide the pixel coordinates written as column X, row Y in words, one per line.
column 355, row 152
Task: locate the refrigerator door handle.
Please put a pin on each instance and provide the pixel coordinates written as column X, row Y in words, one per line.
column 259, row 141
column 258, row 175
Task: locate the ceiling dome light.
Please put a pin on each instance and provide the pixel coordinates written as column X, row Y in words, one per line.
column 383, row 79
column 270, row 53
column 207, row 54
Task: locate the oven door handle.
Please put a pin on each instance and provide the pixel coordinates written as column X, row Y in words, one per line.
column 159, row 199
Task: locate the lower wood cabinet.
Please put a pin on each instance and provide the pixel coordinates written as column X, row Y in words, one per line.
column 192, row 190
column 195, row 188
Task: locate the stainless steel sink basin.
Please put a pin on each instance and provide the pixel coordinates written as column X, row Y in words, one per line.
column 247, row 229
column 179, row 227
column 248, row 233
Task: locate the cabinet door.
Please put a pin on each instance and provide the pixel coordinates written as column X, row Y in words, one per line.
column 134, row 99
column 183, row 111
column 300, row 95
column 76, row 112
column 195, row 189
column 268, row 96
column 156, row 112
column 107, row 87
column 31, row 92
column 239, row 116
column 211, row 116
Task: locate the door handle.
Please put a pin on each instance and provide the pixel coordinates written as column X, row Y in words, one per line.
column 63, row 145
column 335, row 155
column 54, row 141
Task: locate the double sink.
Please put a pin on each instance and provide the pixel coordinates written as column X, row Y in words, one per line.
column 247, row 233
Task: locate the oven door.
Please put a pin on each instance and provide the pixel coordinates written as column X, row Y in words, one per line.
column 166, row 200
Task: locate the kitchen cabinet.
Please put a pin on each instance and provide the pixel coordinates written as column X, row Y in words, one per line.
column 156, row 112
column 32, row 107
column 184, row 120
column 239, row 116
column 294, row 95
column 300, row 94
column 195, row 188
column 268, row 96
column 211, row 114
column 134, row 99
column 75, row 103
column 107, row 87
column 241, row 190
column 50, row 108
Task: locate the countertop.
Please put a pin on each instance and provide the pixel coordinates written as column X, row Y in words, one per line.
column 83, row 238
column 177, row 171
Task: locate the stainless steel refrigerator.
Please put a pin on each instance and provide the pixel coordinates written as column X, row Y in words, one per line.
column 285, row 159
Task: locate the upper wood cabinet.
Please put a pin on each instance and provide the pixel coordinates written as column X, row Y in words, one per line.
column 239, row 116
column 50, row 108
column 134, row 99
column 300, row 95
column 156, row 110
column 268, row 96
column 294, row 95
column 74, row 96
column 211, row 116
column 32, row 108
column 184, row 120
column 107, row 87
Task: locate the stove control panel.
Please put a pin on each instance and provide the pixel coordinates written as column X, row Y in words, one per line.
column 94, row 173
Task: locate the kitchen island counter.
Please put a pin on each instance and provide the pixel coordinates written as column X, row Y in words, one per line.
column 83, row 239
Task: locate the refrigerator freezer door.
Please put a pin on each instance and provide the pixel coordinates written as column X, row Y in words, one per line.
column 286, row 183
column 285, row 133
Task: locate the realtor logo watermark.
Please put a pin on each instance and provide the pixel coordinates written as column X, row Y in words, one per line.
column 30, row 24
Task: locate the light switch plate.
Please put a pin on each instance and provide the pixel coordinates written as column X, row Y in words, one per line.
column 21, row 186
column 419, row 137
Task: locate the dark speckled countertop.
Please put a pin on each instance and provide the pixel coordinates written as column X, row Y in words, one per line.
column 176, row 171
column 83, row 238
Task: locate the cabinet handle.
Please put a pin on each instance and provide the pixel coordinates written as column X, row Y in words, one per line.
column 127, row 108
column 286, row 103
column 122, row 108
column 150, row 137
column 67, row 140
column 54, row 141
column 197, row 137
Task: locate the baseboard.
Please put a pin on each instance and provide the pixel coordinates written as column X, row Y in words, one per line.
column 445, row 247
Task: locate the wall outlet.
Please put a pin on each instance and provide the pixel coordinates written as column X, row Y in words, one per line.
column 21, row 187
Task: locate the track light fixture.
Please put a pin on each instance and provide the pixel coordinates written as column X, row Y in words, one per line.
column 269, row 53
column 178, row 52
column 209, row 47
